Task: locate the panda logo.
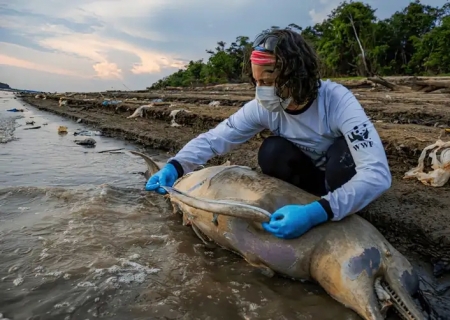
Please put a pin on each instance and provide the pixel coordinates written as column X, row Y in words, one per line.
column 359, row 134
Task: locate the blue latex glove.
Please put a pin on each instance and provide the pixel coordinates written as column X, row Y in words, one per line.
column 164, row 177
column 292, row 221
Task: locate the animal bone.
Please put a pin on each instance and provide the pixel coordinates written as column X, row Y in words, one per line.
column 440, row 165
column 349, row 259
column 173, row 114
column 214, row 104
column 139, row 112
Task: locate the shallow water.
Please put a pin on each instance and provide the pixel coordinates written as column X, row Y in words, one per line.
column 79, row 239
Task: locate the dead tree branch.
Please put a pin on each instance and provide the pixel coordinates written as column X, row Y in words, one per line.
column 363, row 53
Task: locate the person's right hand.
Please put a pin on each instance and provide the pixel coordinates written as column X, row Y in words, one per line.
column 164, row 177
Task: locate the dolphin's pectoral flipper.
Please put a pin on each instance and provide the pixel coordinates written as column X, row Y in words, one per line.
column 254, row 261
column 201, row 236
column 266, row 271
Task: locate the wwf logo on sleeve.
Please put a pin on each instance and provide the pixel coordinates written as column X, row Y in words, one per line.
column 359, row 137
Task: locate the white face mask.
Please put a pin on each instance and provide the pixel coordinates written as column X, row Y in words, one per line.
column 267, row 97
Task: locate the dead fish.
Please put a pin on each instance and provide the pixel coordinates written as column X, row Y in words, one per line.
column 350, row 259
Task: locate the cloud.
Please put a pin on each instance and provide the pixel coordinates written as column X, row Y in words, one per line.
column 20, row 56
column 107, row 43
column 79, row 32
column 107, row 70
column 20, row 63
column 96, row 48
column 325, row 8
column 43, row 80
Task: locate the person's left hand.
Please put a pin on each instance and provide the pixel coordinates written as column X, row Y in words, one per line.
column 292, row 221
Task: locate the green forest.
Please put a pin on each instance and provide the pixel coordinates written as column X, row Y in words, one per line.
column 350, row 42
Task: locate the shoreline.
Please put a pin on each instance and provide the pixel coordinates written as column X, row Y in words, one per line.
column 413, row 217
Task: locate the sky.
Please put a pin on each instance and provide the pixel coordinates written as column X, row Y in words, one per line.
column 93, row 45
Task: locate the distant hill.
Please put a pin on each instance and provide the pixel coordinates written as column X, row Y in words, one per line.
column 4, row 86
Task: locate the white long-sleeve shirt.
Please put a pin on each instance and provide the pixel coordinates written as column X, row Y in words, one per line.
column 334, row 113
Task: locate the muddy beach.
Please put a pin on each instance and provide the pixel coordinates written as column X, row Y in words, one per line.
column 413, row 217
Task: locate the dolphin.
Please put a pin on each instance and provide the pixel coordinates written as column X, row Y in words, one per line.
column 350, row 259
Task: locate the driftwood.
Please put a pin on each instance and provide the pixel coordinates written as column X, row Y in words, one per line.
column 425, row 86
column 430, row 85
column 383, row 82
column 238, row 87
column 358, row 84
column 416, row 85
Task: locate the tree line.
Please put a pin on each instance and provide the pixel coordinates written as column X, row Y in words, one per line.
column 350, row 42
column 4, row 86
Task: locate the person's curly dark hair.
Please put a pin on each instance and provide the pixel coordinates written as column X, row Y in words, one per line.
column 298, row 64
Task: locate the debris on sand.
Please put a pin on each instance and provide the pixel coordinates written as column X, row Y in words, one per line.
column 89, row 142
column 110, row 150
column 440, row 164
column 111, row 102
column 214, row 104
column 139, row 112
column 173, row 114
column 62, row 102
column 15, row 110
column 31, row 128
column 62, row 129
column 87, row 133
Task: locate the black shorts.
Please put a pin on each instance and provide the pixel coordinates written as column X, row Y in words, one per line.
column 280, row 158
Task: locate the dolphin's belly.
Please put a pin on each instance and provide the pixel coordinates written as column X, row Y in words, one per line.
column 259, row 249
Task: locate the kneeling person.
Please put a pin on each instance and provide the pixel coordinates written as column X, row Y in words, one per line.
column 323, row 141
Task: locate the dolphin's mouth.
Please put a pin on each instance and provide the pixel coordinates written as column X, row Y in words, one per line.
column 388, row 298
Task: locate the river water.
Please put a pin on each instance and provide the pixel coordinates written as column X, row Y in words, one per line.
column 80, row 239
